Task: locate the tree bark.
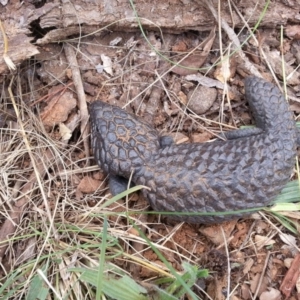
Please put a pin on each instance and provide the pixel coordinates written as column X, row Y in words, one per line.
column 61, row 18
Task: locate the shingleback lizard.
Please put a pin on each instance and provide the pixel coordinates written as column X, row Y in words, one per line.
column 247, row 171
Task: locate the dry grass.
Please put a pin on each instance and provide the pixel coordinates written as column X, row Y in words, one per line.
column 71, row 245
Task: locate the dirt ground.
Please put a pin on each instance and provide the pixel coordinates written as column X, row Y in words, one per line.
column 53, row 195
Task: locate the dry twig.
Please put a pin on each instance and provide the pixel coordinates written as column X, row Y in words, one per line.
column 84, row 128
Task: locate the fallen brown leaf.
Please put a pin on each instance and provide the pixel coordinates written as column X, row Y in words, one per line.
column 88, row 185
column 255, row 282
column 293, row 31
column 215, row 234
column 58, row 109
column 196, row 59
column 262, row 241
column 271, row 294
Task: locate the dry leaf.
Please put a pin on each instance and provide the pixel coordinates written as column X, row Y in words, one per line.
column 255, row 281
column 262, row 241
column 58, row 108
column 195, row 60
column 288, row 262
column 9, row 62
column 107, row 64
column 180, row 46
column 293, row 31
column 133, row 231
column 182, row 97
column 245, row 292
column 201, row 137
column 205, row 81
column 291, row 214
column 190, row 64
column 25, row 250
column 271, row 294
column 115, row 41
column 288, row 239
column 226, row 69
column 88, row 185
column 248, row 265
column 179, row 137
column 65, row 132
column 275, row 59
column 215, row 234
column 215, row 288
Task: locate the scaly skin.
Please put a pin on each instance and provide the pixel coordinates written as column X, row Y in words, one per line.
column 247, row 171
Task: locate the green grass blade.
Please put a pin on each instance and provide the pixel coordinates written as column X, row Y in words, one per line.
column 121, row 195
column 37, row 289
column 290, row 193
column 101, row 262
column 122, row 288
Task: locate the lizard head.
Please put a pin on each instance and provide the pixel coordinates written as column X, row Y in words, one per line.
column 121, row 142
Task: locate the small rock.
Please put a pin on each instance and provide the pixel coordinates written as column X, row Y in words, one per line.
column 201, row 99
